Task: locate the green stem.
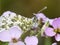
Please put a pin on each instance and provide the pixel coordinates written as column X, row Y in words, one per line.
column 47, row 41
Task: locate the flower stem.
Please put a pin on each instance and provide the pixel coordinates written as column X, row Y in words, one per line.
column 47, row 41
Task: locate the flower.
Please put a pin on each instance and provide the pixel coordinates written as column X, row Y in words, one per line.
column 18, row 43
column 31, row 40
column 55, row 31
column 49, row 31
column 43, row 18
column 50, row 21
column 12, row 36
column 54, row 43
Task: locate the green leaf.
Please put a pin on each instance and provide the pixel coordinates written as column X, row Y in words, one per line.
column 3, row 43
column 47, row 41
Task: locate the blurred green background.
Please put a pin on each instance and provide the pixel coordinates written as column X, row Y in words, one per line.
column 28, row 7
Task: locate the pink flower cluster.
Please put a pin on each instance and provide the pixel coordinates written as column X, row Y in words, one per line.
column 13, row 37
column 54, row 29
column 14, row 33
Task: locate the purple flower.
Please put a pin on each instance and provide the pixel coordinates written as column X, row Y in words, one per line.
column 43, row 17
column 50, row 21
column 49, row 31
column 12, row 35
column 31, row 40
column 55, row 31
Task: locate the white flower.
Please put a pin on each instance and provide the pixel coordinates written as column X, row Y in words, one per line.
column 31, row 40
column 12, row 36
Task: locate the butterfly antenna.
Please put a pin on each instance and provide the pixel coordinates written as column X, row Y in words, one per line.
column 42, row 9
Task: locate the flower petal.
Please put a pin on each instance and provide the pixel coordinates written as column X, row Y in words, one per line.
column 49, row 31
column 57, row 37
column 59, row 22
column 33, row 40
column 56, row 23
column 5, row 36
column 15, row 32
column 41, row 16
column 54, row 43
column 51, row 21
column 18, row 43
